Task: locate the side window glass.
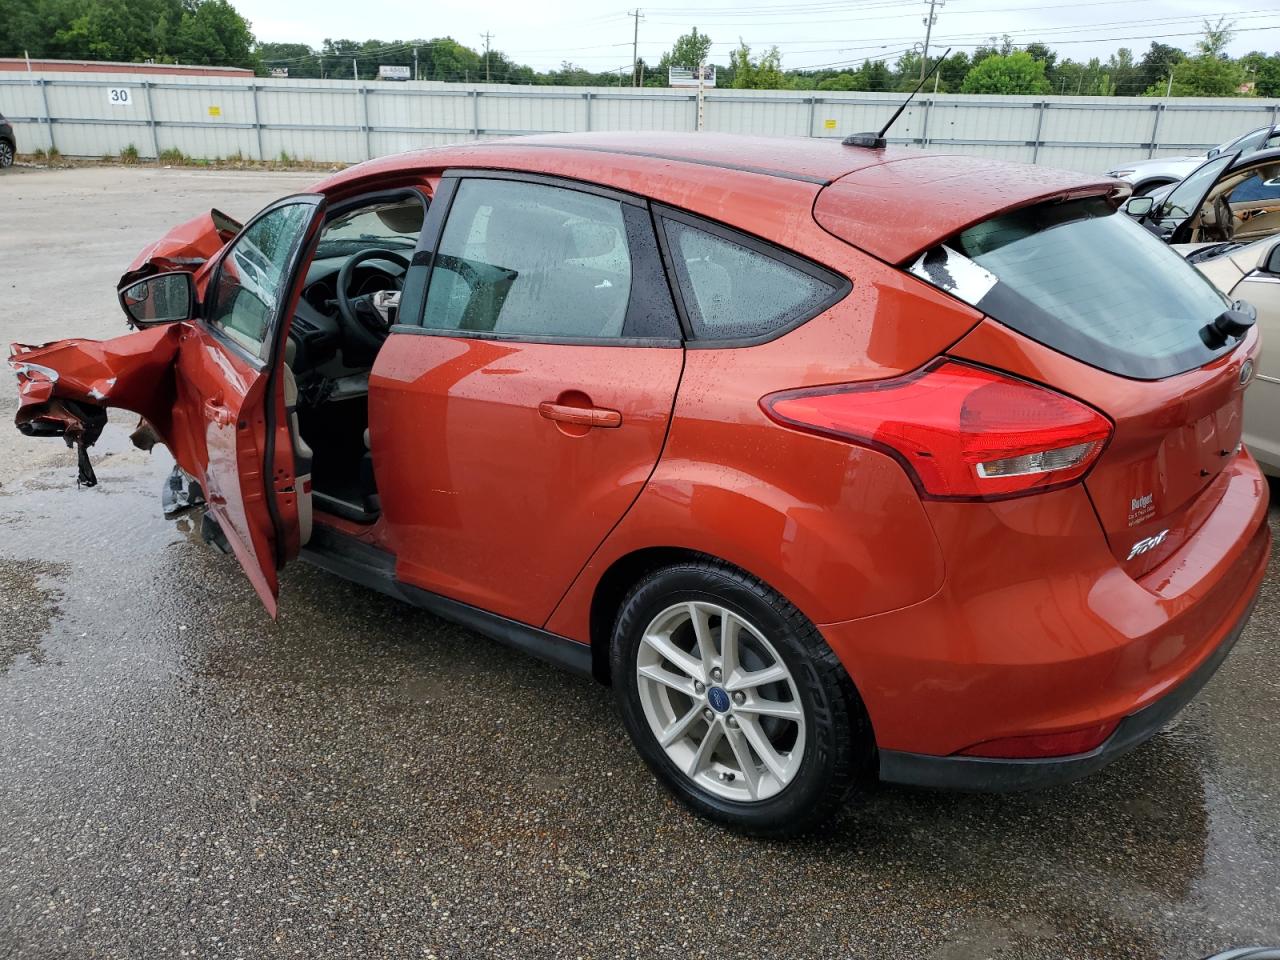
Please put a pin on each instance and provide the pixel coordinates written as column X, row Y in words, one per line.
column 732, row 291
column 251, row 279
column 529, row 259
column 1262, row 184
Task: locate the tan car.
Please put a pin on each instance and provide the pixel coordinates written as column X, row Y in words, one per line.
column 1252, row 273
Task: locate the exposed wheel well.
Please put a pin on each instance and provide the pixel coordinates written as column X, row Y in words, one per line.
column 1155, row 183
column 624, row 574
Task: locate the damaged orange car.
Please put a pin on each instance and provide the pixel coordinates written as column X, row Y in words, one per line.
column 833, row 459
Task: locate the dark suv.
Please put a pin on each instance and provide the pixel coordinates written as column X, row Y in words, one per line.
column 8, row 146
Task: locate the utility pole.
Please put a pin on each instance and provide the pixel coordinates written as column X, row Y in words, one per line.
column 929, row 21
column 487, row 37
column 635, row 48
column 355, row 70
column 415, row 63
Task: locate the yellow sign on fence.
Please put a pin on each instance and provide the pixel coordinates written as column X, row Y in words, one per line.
column 215, row 111
column 829, row 124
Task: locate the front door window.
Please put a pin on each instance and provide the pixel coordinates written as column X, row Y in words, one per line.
column 252, row 279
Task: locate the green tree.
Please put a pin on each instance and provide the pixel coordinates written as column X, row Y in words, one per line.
column 690, row 50
column 1013, row 73
column 1216, row 38
column 1264, row 71
column 762, row 74
column 1201, row 76
column 953, row 71
column 841, row 81
column 298, row 58
column 211, row 32
column 1208, row 74
column 873, row 75
column 1158, row 63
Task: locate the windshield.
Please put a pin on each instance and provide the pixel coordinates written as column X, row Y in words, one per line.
column 1089, row 282
column 1186, row 197
column 394, row 224
column 1245, row 143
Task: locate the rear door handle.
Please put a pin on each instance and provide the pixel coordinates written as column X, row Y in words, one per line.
column 216, row 412
column 584, row 416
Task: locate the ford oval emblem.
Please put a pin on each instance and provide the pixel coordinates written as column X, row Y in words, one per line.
column 1246, row 372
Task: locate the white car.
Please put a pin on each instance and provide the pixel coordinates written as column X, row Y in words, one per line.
column 1149, row 175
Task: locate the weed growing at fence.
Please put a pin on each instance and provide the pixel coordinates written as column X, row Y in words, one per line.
column 173, row 157
column 129, row 154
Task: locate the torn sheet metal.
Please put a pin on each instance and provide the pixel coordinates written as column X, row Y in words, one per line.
column 186, row 247
column 64, row 387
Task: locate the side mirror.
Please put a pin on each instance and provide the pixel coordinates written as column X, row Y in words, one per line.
column 1272, row 263
column 164, row 298
column 1139, row 206
column 1212, row 153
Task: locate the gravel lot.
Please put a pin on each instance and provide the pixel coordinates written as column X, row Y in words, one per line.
column 182, row 776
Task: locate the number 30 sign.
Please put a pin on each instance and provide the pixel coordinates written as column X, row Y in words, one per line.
column 119, row 96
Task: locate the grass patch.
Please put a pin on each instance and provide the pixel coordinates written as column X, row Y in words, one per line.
column 129, row 154
column 173, row 157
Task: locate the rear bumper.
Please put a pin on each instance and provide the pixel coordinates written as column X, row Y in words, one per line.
column 1037, row 631
column 980, row 774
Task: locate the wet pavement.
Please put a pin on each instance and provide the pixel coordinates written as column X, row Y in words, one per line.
column 182, row 776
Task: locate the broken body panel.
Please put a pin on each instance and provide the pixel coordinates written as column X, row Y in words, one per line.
column 219, row 410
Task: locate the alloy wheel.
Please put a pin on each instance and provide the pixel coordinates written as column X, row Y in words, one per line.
column 720, row 701
column 6, row 154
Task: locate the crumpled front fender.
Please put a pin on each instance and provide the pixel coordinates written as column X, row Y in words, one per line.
column 64, row 386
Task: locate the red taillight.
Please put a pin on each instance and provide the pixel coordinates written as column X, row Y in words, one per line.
column 964, row 433
column 1045, row 744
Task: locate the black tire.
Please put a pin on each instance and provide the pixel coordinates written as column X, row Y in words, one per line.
column 6, row 153
column 839, row 747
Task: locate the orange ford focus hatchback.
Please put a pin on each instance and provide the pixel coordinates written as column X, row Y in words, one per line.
column 834, row 461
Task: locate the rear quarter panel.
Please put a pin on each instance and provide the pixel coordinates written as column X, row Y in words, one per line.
column 836, row 528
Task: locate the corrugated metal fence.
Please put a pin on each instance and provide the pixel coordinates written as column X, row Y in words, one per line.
column 93, row 115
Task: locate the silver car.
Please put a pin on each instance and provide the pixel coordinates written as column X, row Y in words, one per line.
column 1252, row 273
column 1149, row 175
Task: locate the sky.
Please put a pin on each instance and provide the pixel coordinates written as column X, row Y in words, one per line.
column 809, row 33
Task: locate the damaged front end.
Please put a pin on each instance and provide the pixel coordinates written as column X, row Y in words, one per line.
column 43, row 415
column 65, row 387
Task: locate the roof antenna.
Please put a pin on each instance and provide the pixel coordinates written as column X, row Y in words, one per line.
column 876, row 141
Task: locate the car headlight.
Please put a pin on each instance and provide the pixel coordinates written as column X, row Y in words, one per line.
column 1120, row 173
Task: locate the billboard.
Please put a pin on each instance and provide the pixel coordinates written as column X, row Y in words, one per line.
column 684, row 77
column 389, row 72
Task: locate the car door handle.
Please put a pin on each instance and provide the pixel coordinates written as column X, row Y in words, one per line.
column 216, row 412
column 584, row 416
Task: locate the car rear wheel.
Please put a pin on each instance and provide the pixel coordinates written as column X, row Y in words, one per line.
column 6, row 153
column 735, row 701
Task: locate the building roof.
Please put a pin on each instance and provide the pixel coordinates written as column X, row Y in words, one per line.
column 42, row 65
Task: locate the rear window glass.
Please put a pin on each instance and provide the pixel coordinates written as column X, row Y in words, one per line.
column 1087, row 281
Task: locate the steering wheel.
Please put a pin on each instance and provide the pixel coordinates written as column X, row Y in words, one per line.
column 358, row 313
column 1225, row 220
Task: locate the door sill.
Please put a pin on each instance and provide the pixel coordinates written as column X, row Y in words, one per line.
column 324, row 503
column 375, row 568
